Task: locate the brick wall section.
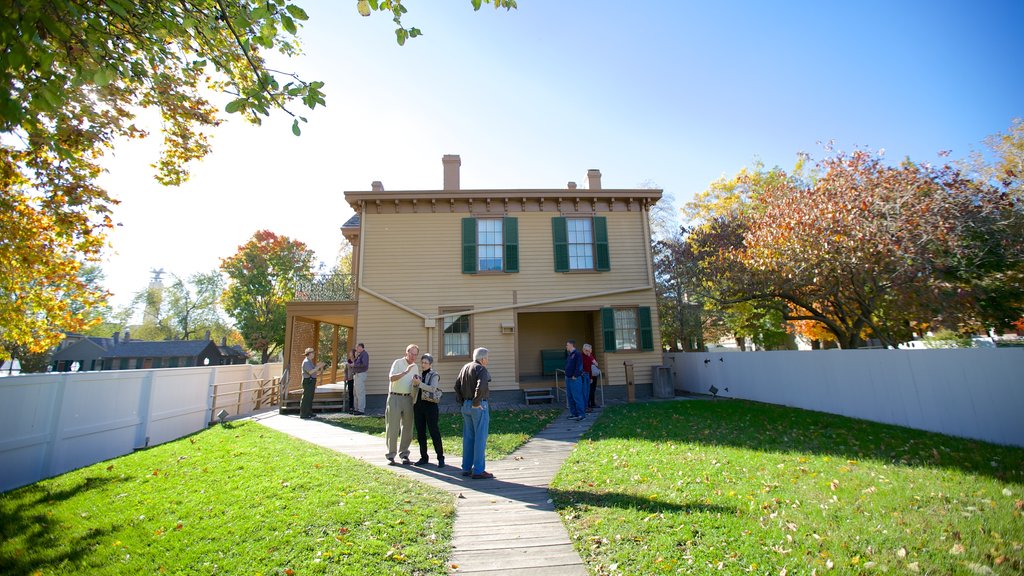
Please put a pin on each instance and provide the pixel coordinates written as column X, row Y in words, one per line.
column 303, row 337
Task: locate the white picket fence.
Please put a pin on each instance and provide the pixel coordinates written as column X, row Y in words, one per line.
column 55, row 422
column 968, row 392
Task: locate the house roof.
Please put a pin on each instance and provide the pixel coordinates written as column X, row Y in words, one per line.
column 90, row 347
column 233, row 350
column 159, row 349
column 432, row 197
column 352, row 222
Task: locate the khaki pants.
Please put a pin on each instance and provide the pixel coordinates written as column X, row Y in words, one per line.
column 398, row 418
column 359, row 380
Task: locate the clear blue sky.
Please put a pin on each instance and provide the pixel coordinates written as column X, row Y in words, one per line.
column 669, row 92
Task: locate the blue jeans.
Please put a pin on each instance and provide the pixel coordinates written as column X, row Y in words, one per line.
column 577, row 397
column 587, row 379
column 474, row 436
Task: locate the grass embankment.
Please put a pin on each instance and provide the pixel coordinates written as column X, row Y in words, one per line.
column 703, row 486
column 240, row 499
column 508, row 430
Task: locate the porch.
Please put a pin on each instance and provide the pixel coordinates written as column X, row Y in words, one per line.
column 322, row 319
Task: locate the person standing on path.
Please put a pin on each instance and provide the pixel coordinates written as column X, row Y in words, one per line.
column 310, row 372
column 574, row 382
column 589, row 377
column 426, row 396
column 359, row 367
column 350, row 381
column 398, row 416
column 472, row 388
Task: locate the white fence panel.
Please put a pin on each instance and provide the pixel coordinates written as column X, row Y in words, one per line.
column 55, row 422
column 973, row 392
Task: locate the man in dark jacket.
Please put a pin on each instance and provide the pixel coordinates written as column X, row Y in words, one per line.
column 472, row 387
column 574, row 382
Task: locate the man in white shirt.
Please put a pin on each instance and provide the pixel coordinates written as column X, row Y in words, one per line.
column 398, row 416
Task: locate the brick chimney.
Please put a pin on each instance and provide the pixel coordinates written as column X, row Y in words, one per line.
column 207, row 336
column 117, row 337
column 127, row 334
column 451, row 171
column 594, row 179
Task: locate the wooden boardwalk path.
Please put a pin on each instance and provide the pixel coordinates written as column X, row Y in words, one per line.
column 505, row 526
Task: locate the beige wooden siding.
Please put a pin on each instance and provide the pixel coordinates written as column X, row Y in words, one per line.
column 415, row 260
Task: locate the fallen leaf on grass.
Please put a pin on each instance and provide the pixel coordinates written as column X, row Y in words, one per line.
column 901, row 553
column 957, row 549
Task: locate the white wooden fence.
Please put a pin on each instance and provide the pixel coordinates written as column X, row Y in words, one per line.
column 55, row 422
column 968, row 392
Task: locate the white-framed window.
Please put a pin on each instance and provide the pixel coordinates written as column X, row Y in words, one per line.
column 581, row 243
column 626, row 329
column 456, row 334
column 489, row 244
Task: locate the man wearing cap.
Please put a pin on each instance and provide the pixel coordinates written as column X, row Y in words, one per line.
column 310, row 372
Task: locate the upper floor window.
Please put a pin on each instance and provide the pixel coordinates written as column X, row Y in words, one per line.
column 490, row 245
column 581, row 243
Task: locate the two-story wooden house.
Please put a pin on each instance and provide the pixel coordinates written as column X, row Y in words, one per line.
column 515, row 271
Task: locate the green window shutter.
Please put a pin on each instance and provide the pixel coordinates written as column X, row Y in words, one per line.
column 469, row 245
column 646, row 332
column 510, row 229
column 608, row 328
column 602, row 261
column 560, row 235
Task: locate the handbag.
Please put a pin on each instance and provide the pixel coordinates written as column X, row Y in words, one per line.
column 594, row 371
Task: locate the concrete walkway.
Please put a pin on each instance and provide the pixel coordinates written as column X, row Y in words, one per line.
column 507, row 525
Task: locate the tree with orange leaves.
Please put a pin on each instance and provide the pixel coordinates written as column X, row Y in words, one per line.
column 865, row 249
column 262, row 277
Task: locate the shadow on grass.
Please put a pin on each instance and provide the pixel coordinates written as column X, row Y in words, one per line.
column 25, row 515
column 770, row 428
column 566, row 498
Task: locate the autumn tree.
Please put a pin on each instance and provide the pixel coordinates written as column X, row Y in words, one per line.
column 865, row 249
column 262, row 278
column 74, row 74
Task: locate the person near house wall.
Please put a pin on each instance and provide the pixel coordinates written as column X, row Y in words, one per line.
column 472, row 389
column 589, row 380
column 350, row 380
column 398, row 416
column 574, row 382
column 359, row 367
column 310, row 372
column 426, row 412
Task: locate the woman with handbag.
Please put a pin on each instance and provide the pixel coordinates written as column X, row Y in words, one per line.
column 426, row 397
column 590, row 375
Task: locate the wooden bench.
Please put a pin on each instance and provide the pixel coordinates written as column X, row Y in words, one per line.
column 552, row 360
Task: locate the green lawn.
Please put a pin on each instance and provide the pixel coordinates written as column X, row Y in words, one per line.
column 240, row 499
column 508, row 430
column 702, row 486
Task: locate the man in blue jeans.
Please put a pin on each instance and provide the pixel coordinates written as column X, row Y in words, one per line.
column 472, row 387
column 574, row 382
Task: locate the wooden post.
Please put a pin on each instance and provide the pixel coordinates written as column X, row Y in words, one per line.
column 334, row 355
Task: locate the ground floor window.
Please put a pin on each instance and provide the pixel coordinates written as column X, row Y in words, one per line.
column 456, row 334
